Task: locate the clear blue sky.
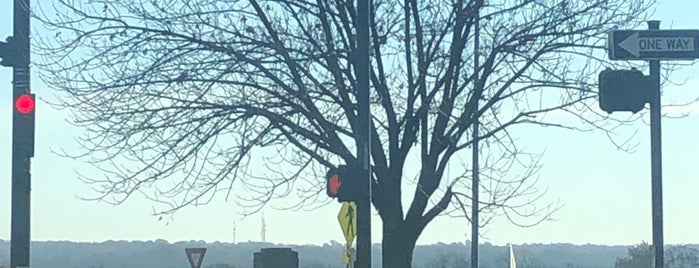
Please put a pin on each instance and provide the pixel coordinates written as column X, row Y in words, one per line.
column 605, row 192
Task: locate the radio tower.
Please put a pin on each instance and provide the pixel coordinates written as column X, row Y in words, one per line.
column 264, row 228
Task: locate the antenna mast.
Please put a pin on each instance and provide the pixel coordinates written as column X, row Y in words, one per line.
column 264, row 228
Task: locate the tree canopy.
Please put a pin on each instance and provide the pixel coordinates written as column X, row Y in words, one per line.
column 182, row 100
column 676, row 256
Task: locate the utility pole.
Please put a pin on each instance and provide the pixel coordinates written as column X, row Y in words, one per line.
column 363, row 135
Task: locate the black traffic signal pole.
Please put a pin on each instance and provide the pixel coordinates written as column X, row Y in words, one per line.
column 361, row 63
column 656, row 157
column 22, row 140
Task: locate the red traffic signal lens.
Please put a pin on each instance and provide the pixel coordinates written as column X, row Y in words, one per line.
column 334, row 184
column 25, row 104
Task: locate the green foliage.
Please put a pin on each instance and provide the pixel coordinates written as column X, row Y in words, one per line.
column 641, row 256
column 524, row 259
column 449, row 260
column 683, row 256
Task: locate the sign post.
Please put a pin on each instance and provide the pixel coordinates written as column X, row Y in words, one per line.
column 656, row 157
column 653, row 45
column 195, row 256
column 348, row 223
column 349, row 257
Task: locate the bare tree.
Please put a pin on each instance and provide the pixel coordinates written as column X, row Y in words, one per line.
column 185, row 99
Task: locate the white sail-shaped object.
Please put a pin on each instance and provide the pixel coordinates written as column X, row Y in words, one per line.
column 513, row 263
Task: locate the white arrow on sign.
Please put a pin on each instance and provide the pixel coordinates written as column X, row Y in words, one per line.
column 635, row 45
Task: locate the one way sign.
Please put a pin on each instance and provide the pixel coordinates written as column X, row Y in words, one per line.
column 654, row 45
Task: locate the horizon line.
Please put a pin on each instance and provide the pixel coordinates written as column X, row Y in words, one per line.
column 336, row 242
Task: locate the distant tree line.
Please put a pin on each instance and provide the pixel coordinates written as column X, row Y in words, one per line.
column 641, row 256
column 163, row 254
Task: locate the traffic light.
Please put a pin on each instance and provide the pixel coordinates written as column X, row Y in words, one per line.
column 8, row 55
column 341, row 184
column 623, row 90
column 23, row 124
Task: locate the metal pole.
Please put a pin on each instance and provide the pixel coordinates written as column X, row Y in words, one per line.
column 656, row 157
column 475, row 182
column 21, row 177
column 362, row 66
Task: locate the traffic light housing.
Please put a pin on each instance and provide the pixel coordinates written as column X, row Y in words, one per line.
column 23, row 124
column 623, row 90
column 341, row 184
column 8, row 54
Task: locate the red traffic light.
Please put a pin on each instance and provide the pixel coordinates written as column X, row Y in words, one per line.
column 340, row 184
column 25, row 104
column 334, row 184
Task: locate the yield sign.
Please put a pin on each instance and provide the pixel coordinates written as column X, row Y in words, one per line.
column 348, row 221
column 195, row 256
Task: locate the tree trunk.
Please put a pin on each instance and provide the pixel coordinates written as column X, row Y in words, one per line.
column 397, row 246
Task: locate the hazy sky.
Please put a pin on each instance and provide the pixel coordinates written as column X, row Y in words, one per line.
column 605, row 192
